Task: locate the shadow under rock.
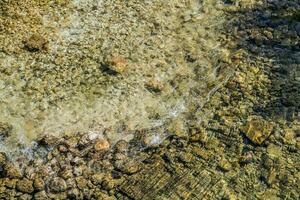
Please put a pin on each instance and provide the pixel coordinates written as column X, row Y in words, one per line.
column 272, row 31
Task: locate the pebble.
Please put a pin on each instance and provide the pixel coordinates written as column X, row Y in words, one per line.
column 97, row 178
column 25, row 186
column 36, row 43
column 58, row 185
column 81, row 182
column 225, row 165
column 274, row 151
column 108, row 184
column 117, row 64
column 101, row 144
column 11, row 171
column 200, row 152
column 39, row 184
column 40, row 195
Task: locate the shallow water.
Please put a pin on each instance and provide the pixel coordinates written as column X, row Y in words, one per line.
column 174, row 57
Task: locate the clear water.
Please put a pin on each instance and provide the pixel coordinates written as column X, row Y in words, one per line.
column 176, row 46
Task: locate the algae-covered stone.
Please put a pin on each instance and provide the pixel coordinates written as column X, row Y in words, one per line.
column 257, row 129
column 25, row 185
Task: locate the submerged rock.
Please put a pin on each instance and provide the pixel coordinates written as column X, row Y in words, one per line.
column 257, row 129
column 40, row 195
column 101, row 144
column 39, row 184
column 25, row 185
column 11, row 171
column 58, row 185
column 116, row 64
column 36, row 43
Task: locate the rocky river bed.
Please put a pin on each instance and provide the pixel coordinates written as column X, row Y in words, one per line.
column 221, row 80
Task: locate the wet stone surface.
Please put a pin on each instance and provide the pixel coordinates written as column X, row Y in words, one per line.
column 246, row 145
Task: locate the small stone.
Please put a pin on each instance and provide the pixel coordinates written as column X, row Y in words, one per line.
column 49, row 140
column 121, row 146
column 25, row 197
column 199, row 137
column 108, row 184
column 129, row 167
column 200, row 152
column 10, row 183
column 77, row 171
column 101, row 144
column 117, row 64
column 271, row 177
column 81, row 182
column 39, row 184
column 40, row 195
column 11, row 171
column 290, row 136
column 74, row 194
column 257, row 130
column 247, row 158
column 5, row 129
column 3, row 158
column 274, row 151
column 62, row 149
column 36, row 43
column 154, row 86
column 25, row 186
column 225, row 165
column 67, row 173
column 58, row 185
column 97, row 178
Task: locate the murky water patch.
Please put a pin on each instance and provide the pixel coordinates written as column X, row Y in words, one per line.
column 173, row 54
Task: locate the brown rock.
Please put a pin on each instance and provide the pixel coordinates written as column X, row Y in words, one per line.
column 81, row 182
column 67, row 173
column 257, row 130
column 10, row 183
column 101, row 144
column 40, row 195
column 97, row 178
column 200, row 152
column 154, row 86
column 36, row 43
column 11, row 171
column 39, row 184
column 117, row 63
column 58, row 185
column 25, row 186
column 108, row 183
